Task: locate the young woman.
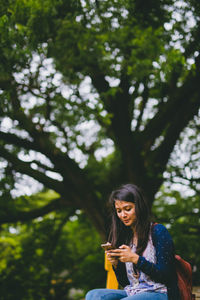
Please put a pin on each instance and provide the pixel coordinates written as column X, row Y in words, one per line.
column 143, row 258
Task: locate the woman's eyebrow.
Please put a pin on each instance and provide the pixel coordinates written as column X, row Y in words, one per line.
column 127, row 205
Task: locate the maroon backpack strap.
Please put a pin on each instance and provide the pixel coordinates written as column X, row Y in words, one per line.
column 154, row 224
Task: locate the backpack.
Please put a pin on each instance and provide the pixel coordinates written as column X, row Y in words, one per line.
column 184, row 277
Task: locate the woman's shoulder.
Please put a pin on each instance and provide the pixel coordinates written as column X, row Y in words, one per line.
column 163, row 241
column 160, row 235
column 159, row 229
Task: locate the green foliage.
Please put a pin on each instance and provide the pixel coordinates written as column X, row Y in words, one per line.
column 36, row 200
column 146, row 47
column 51, row 258
column 78, row 78
column 52, row 51
column 180, row 213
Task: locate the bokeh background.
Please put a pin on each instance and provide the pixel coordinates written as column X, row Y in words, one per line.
column 93, row 94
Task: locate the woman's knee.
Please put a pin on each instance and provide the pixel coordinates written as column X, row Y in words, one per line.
column 109, row 294
column 94, row 294
column 90, row 295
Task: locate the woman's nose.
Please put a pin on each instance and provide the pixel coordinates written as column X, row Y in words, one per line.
column 123, row 213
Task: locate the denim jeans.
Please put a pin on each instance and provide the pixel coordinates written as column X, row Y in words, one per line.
column 109, row 294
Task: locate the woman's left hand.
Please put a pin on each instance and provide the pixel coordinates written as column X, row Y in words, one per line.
column 125, row 254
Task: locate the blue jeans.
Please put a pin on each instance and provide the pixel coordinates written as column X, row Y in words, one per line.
column 109, row 294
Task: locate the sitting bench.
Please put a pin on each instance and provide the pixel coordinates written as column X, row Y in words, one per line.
column 111, row 282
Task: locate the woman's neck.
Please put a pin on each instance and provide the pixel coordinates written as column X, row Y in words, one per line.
column 133, row 228
column 134, row 235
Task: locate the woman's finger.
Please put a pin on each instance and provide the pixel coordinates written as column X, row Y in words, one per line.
column 117, row 251
column 113, row 254
column 124, row 247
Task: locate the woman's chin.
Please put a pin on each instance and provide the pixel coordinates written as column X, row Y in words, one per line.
column 127, row 223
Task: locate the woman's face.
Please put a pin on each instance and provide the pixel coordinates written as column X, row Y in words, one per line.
column 125, row 212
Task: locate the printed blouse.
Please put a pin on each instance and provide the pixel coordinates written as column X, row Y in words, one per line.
column 139, row 281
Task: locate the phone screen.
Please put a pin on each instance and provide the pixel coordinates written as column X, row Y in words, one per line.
column 107, row 246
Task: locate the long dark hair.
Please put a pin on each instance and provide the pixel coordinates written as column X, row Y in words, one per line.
column 121, row 234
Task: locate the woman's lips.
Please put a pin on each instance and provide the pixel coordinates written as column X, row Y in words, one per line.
column 125, row 221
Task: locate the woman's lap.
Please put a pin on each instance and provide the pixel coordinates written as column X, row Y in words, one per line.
column 105, row 294
column 109, row 294
column 148, row 296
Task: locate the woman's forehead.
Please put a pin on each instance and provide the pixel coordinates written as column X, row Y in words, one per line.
column 122, row 204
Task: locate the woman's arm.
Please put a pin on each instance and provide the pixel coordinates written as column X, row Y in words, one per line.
column 163, row 270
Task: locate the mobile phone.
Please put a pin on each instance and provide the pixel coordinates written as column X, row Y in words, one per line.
column 107, row 246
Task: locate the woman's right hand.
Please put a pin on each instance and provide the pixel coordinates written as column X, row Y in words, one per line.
column 112, row 259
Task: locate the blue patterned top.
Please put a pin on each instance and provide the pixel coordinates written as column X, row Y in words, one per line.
column 141, row 282
column 162, row 270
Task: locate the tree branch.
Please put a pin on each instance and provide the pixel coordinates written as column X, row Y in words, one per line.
column 191, row 182
column 55, row 235
column 171, row 121
column 21, row 216
column 175, row 127
column 40, row 139
column 44, row 146
column 144, row 102
column 175, row 109
column 24, row 168
column 71, row 178
column 11, row 138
